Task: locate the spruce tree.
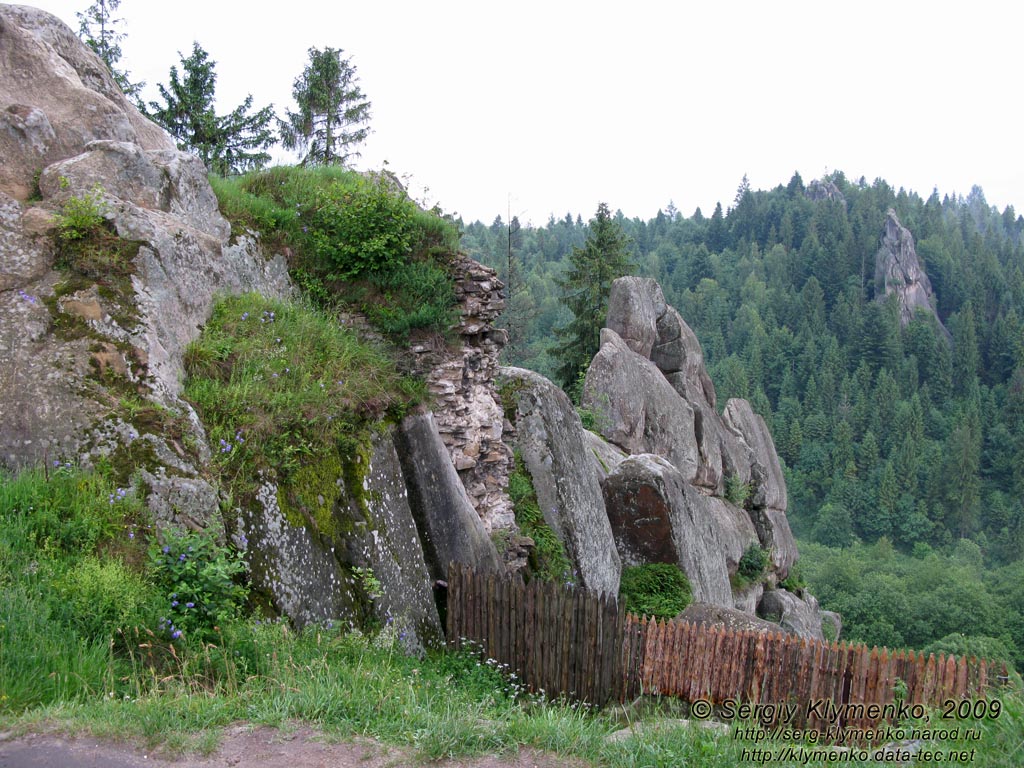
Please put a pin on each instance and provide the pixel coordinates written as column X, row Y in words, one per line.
column 332, row 110
column 585, row 288
column 98, row 28
column 232, row 143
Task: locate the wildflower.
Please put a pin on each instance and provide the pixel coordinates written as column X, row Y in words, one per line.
column 182, row 557
column 27, row 297
column 176, row 634
column 245, row 315
column 167, row 549
column 131, row 534
column 174, row 603
column 190, row 605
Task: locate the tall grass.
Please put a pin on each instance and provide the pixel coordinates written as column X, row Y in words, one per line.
column 283, row 386
column 112, row 679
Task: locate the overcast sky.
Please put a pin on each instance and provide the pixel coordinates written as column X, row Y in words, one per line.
column 552, row 107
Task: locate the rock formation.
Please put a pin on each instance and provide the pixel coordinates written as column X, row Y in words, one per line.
column 66, row 130
column 551, row 440
column 662, row 478
column 898, row 271
column 72, row 345
column 698, row 488
column 824, row 190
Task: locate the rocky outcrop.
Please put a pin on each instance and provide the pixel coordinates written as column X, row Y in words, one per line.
column 449, row 526
column 364, row 559
column 461, row 381
column 636, row 408
column 709, row 615
column 550, row 440
column 768, row 500
column 898, row 272
column 698, row 488
column 65, row 127
column 824, row 190
column 658, row 517
column 800, row 616
column 56, row 96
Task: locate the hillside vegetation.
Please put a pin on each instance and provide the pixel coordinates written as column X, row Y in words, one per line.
column 910, row 436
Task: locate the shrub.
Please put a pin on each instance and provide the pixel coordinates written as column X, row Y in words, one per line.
column 981, row 646
column 655, row 589
column 81, row 217
column 197, row 577
column 752, row 566
column 355, row 240
column 359, row 229
column 736, row 491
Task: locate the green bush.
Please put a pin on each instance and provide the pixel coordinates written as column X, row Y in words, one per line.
column 354, row 240
column 198, row 579
column 81, row 217
column 548, row 560
column 754, row 563
column 358, row 229
column 736, row 491
column 980, row 646
column 655, row 589
column 102, row 596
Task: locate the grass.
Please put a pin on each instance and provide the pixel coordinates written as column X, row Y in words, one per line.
column 281, row 385
column 655, row 589
column 354, row 241
column 116, row 677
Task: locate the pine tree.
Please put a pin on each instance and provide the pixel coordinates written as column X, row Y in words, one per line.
column 585, row 288
column 332, row 110
column 233, row 143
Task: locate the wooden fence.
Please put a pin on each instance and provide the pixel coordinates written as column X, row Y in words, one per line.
column 565, row 641
column 557, row 640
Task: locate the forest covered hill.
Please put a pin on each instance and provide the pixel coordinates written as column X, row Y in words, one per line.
column 904, row 436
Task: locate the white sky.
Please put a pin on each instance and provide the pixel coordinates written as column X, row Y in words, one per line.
column 552, row 107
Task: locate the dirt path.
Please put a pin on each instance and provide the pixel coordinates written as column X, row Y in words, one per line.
column 241, row 746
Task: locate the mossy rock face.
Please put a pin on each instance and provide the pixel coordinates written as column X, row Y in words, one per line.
column 344, row 547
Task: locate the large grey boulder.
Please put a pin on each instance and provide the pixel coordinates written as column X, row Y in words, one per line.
column 64, row 122
column 898, row 271
column 799, row 616
column 658, row 517
column 364, row 559
column 56, row 96
column 550, row 439
column 636, row 409
column 635, row 304
column 449, row 527
column 708, row 615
